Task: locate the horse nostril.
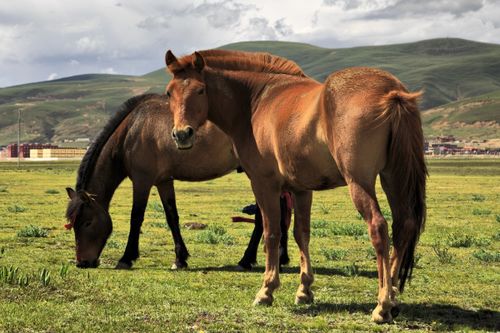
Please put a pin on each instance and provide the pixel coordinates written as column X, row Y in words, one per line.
column 190, row 131
column 173, row 134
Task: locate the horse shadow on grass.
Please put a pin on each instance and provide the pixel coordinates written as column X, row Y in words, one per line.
column 418, row 316
column 288, row 270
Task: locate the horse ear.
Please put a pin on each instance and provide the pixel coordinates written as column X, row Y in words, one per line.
column 172, row 62
column 71, row 193
column 198, row 62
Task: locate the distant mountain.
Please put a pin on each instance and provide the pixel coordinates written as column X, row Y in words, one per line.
column 449, row 70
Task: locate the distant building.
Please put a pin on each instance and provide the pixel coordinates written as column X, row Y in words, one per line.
column 25, row 148
column 58, row 153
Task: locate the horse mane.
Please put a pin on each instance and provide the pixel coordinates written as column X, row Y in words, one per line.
column 246, row 61
column 90, row 158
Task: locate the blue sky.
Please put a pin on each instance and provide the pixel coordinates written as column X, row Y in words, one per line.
column 49, row 39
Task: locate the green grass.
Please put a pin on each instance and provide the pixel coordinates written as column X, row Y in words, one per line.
column 212, row 295
column 32, row 231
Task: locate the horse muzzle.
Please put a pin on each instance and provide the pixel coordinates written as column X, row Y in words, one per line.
column 183, row 138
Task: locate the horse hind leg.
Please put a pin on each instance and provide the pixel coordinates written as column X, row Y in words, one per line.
column 403, row 229
column 167, row 196
column 284, row 224
column 250, row 256
column 366, row 203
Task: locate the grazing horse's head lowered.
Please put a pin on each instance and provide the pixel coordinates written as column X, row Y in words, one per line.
column 92, row 226
column 188, row 98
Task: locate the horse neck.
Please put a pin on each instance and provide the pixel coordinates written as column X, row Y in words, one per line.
column 107, row 175
column 230, row 100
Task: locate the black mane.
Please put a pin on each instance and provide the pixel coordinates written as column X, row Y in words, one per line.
column 89, row 160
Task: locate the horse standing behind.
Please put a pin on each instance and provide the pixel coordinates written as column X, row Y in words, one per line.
column 134, row 144
column 295, row 134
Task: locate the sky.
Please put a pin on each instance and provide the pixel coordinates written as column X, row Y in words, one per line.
column 50, row 39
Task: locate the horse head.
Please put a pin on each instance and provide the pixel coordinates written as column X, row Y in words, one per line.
column 92, row 226
column 187, row 97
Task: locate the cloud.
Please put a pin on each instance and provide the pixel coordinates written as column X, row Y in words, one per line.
column 52, row 76
column 154, row 23
column 282, row 28
column 130, row 37
column 109, row 70
column 423, row 8
column 222, row 14
column 89, row 45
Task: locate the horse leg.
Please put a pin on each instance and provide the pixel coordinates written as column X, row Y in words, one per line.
column 250, row 256
column 140, row 200
column 284, row 258
column 366, row 203
column 403, row 228
column 268, row 200
column 167, row 196
column 301, row 232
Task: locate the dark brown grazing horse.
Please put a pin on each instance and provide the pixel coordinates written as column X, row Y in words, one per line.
column 134, row 144
column 295, row 134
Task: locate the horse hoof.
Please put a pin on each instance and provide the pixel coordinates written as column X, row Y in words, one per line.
column 240, row 268
column 123, row 265
column 304, row 298
column 245, row 265
column 178, row 265
column 263, row 300
column 395, row 311
column 381, row 317
column 284, row 261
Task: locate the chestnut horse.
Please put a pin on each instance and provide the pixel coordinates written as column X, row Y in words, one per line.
column 133, row 144
column 295, row 134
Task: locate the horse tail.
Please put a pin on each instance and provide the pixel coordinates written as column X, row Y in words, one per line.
column 407, row 174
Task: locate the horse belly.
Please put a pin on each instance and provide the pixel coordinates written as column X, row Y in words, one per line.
column 312, row 170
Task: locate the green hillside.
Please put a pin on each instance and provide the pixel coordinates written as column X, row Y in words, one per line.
column 449, row 70
column 475, row 117
column 68, row 108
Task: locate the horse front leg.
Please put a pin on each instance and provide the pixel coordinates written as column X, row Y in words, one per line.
column 301, row 232
column 140, row 201
column 167, row 196
column 268, row 200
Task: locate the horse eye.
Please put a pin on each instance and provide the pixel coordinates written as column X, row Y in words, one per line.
column 168, row 94
column 201, row 91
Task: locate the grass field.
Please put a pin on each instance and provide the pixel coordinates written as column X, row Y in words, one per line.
column 455, row 285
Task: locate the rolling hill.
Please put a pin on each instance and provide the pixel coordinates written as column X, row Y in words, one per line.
column 454, row 73
column 471, row 118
